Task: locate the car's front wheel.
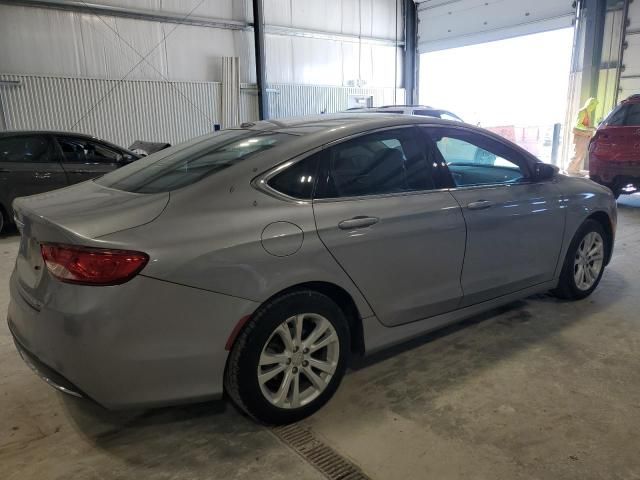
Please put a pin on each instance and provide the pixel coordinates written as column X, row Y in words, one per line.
column 584, row 263
column 289, row 359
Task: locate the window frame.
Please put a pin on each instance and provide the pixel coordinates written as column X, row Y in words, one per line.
column 528, row 159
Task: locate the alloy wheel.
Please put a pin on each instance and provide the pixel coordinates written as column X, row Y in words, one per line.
column 589, row 260
column 298, row 360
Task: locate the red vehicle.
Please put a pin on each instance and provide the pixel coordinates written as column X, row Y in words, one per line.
column 614, row 150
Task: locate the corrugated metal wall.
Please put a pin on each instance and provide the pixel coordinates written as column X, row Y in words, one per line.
column 286, row 100
column 123, row 111
column 118, row 111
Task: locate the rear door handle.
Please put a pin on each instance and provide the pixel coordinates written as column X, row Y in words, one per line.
column 358, row 222
column 480, row 205
column 42, row 175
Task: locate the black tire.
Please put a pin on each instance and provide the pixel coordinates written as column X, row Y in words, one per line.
column 1, row 219
column 617, row 191
column 241, row 380
column 567, row 287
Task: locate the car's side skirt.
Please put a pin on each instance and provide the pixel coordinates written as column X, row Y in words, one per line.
column 377, row 336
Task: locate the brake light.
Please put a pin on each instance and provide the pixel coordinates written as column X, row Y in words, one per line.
column 92, row 266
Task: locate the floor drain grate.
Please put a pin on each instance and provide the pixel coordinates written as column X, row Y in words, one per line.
column 333, row 465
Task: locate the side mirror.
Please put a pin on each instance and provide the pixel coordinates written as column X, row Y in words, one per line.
column 124, row 159
column 544, row 171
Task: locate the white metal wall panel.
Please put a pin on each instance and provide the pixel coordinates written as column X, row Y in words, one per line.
column 455, row 23
column 208, row 8
column 248, row 103
column 337, row 16
column 52, row 42
column 286, row 100
column 43, row 41
column 310, row 61
column 145, row 110
column 630, row 77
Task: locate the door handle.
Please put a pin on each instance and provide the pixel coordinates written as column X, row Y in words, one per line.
column 480, row 205
column 357, row 222
column 42, row 175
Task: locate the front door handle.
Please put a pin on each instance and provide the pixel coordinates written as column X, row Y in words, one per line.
column 42, row 175
column 480, row 205
column 357, row 222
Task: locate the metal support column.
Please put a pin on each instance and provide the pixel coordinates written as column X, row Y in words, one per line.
column 595, row 12
column 409, row 63
column 261, row 77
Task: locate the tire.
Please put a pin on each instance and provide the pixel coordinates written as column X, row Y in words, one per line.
column 262, row 341
column 617, row 191
column 1, row 219
column 568, row 286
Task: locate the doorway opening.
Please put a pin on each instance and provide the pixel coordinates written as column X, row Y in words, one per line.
column 515, row 87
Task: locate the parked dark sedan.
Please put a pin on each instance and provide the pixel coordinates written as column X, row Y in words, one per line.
column 36, row 162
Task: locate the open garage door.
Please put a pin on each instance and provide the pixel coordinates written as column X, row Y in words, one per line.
column 630, row 76
column 455, row 23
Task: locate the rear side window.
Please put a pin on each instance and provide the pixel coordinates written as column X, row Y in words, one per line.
column 392, row 161
column 190, row 162
column 617, row 116
column 24, row 149
column 633, row 115
column 298, row 180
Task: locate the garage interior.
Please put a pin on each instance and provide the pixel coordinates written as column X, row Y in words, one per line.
column 541, row 388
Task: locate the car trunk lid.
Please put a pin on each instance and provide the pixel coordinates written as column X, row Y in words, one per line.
column 77, row 215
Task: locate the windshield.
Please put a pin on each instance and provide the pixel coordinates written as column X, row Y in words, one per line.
column 190, row 162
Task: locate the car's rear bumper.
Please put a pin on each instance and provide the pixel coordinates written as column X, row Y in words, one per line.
column 612, row 173
column 144, row 343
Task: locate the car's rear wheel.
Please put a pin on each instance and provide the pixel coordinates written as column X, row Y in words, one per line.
column 1, row 219
column 289, row 359
column 584, row 264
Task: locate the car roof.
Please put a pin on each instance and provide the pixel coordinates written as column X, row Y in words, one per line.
column 316, row 130
column 11, row 133
column 8, row 133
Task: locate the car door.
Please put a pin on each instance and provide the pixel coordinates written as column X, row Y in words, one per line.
column 381, row 211
column 84, row 159
column 619, row 140
column 28, row 166
column 514, row 225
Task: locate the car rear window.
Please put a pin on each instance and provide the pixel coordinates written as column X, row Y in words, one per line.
column 185, row 164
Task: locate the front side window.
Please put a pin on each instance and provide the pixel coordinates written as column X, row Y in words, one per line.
column 474, row 159
column 24, row 149
column 392, row 161
column 184, row 164
column 633, row 115
column 78, row 150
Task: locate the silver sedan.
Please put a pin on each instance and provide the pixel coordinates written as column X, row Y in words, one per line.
column 257, row 260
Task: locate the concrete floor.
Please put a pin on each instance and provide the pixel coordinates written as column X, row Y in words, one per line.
column 540, row 389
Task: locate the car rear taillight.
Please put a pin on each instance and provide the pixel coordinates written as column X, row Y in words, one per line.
column 92, row 266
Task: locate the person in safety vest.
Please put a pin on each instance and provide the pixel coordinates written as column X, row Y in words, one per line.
column 582, row 133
